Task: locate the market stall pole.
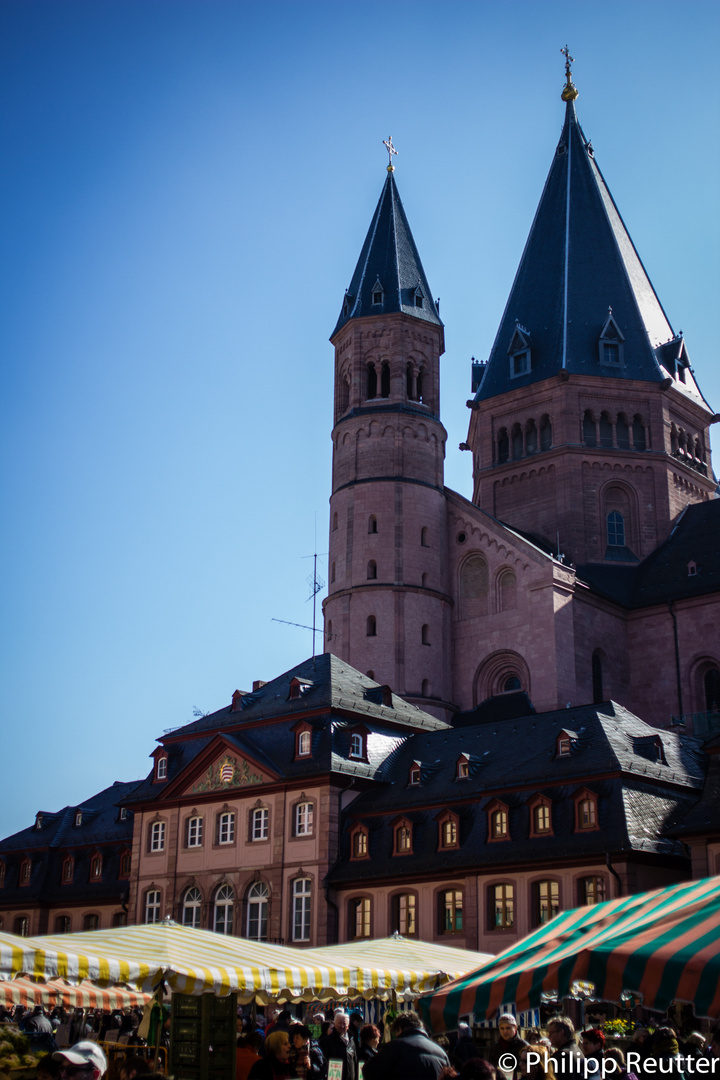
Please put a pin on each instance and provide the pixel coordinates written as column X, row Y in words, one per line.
column 662, row 945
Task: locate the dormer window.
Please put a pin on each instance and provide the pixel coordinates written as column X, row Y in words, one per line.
column 25, row 870
column 161, row 768
column 498, row 821
column 78, row 818
column 123, row 813
column 304, row 744
column 462, row 768
column 519, row 352
column 299, row 687
column 359, row 843
column 447, row 832
column 563, row 746
column 403, row 838
column 357, row 745
column 38, row 821
column 414, row 776
column 96, row 868
column 691, row 569
column 586, row 811
column 419, row 297
column 610, row 344
column 67, row 870
column 378, row 293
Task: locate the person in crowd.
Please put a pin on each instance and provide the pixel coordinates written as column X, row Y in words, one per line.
column 275, row 1065
column 247, row 1053
column 47, row 1068
column 39, row 1031
column 695, row 1045
column 369, row 1042
column 477, row 1069
column 565, row 1050
column 306, row 1058
column 132, row 1066
column 666, row 1048
column 340, row 1046
column 465, row 1048
column 83, row 1061
column 356, row 1022
column 283, row 1021
column 528, row 1067
column 592, row 1042
column 614, row 1053
column 412, row 1053
column 509, row 1042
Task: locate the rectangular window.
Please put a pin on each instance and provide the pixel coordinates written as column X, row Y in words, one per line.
column 194, row 832
column 63, row 924
column 226, row 828
column 303, row 819
column 301, row 909
column 405, row 915
column 152, row 906
column 611, row 352
column 592, row 891
column 451, row 911
column 260, row 824
column 360, row 918
column 157, row 836
column 502, row 907
column 91, row 922
column 120, row 918
column 547, row 901
column 519, row 364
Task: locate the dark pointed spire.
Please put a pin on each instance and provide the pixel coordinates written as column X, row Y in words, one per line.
column 578, row 262
column 389, row 268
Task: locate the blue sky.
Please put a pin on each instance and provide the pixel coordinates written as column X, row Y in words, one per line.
column 185, row 190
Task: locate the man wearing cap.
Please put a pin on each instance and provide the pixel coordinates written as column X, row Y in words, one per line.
column 83, row 1061
column 507, row 1047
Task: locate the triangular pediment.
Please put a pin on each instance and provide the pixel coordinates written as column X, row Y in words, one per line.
column 611, row 331
column 223, row 766
column 519, row 341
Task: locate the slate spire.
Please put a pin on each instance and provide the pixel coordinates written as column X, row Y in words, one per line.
column 389, row 275
column 580, row 284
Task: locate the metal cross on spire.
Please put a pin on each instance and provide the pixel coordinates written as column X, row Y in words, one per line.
column 388, row 144
column 569, row 90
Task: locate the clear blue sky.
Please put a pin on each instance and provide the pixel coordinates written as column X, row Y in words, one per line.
column 185, row 190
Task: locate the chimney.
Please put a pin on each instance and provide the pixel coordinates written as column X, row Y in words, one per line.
column 258, row 684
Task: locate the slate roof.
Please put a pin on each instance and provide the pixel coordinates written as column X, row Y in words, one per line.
column 335, row 700
column 663, row 575
column 703, row 817
column 606, row 740
column 102, row 830
column 389, row 256
column 578, row 262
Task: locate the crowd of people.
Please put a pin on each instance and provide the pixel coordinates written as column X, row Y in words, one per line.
column 339, row 1044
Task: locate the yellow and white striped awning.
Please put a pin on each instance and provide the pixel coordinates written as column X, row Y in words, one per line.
column 39, row 959
column 198, row 961
column 431, row 965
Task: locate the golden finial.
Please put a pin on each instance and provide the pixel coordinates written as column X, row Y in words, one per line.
column 569, row 92
column 388, row 144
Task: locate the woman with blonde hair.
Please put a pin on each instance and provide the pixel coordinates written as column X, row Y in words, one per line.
column 275, row 1065
column 535, row 1069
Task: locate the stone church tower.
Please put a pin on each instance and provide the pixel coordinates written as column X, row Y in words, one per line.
column 585, row 558
column 588, row 430
column 388, row 607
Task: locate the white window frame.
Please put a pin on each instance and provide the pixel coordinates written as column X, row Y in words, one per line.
column 161, row 772
column 192, row 907
column 260, row 824
column 153, row 902
column 304, row 814
column 302, row 909
column 226, row 827
column 195, row 832
column 357, row 748
column 304, row 744
column 223, row 910
column 258, row 903
column 157, row 836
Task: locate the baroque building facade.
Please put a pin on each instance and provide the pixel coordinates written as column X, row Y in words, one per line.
column 518, row 705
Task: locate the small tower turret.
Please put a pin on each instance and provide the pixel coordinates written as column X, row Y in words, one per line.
column 388, row 611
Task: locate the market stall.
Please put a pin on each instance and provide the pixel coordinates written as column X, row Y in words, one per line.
column 192, row 961
column 430, row 965
column 663, row 945
column 23, row 991
column 43, row 960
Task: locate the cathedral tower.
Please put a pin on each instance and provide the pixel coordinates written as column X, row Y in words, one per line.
column 388, row 610
column 588, row 429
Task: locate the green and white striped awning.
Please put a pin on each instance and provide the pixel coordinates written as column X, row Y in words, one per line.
column 663, row 945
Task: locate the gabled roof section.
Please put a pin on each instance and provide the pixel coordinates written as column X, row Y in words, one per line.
column 329, row 684
column 389, row 255
column 579, row 261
